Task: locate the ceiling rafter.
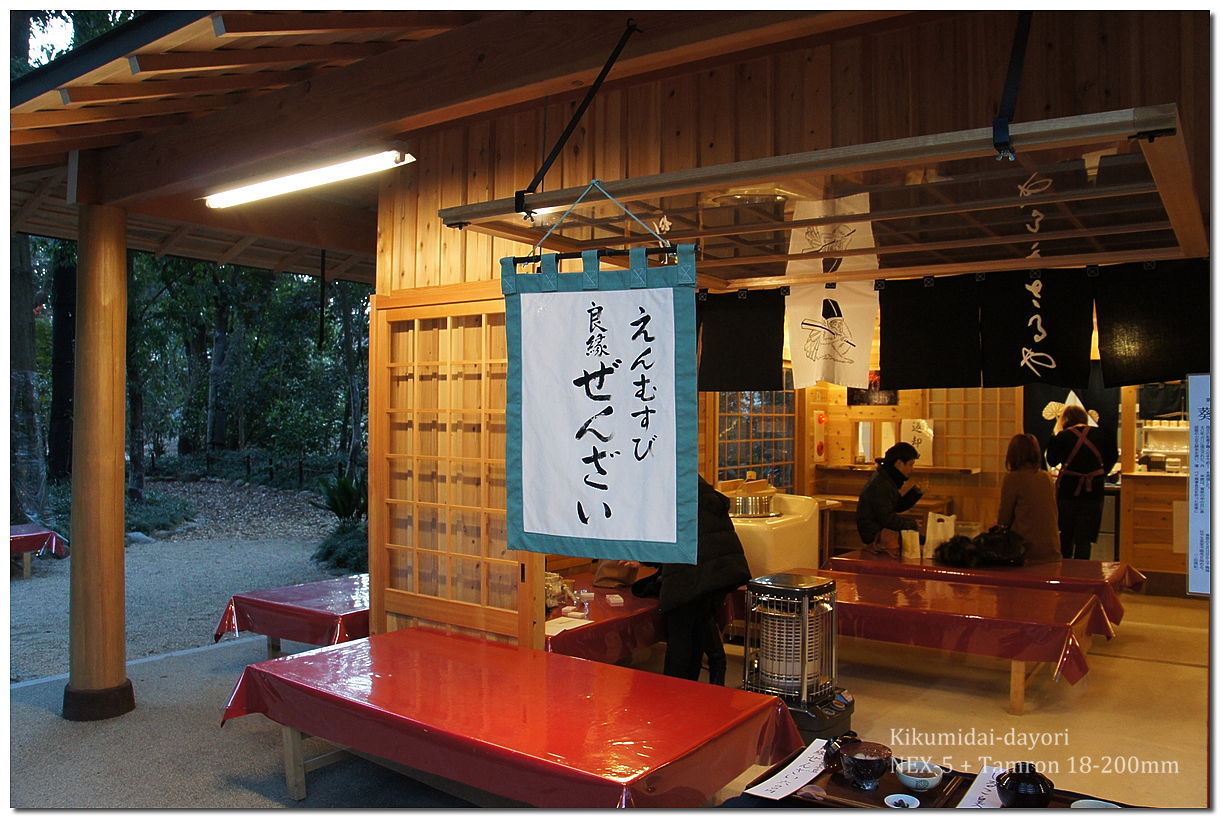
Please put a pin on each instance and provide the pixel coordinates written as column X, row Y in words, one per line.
column 116, row 92
column 128, row 110
column 228, row 58
column 65, row 136
column 35, row 201
column 236, row 250
column 289, row 259
column 246, row 24
column 171, row 241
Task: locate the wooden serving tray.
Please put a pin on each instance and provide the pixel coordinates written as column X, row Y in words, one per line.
column 840, row 793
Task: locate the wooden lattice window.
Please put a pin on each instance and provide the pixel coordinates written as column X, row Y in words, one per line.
column 438, row 491
column 756, row 431
column 973, row 427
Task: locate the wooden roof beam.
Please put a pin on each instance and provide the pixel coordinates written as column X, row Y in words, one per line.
column 478, row 68
column 35, row 201
column 313, row 221
column 123, row 91
column 64, row 136
column 228, row 58
column 103, row 113
column 236, row 250
column 245, row 24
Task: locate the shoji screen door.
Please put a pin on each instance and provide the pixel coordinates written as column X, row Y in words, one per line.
column 437, row 552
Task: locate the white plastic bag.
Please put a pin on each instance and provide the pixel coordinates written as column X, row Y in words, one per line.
column 940, row 528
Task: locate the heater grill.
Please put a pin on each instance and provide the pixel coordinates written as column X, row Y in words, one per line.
column 790, row 638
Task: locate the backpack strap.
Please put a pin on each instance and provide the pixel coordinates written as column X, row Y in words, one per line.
column 1085, row 478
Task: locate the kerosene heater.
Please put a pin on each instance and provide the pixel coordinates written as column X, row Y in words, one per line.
column 790, row 650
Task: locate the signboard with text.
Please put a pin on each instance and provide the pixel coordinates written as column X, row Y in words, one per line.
column 602, row 409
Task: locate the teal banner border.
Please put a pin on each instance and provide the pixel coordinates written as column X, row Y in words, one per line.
column 681, row 278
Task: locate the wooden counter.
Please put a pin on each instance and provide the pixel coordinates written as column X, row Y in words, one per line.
column 1153, row 531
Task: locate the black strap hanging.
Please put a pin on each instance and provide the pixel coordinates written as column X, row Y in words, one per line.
column 1008, row 104
column 519, row 198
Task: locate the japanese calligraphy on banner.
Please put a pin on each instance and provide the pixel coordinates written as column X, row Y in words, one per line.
column 1199, row 569
column 830, row 332
column 602, row 409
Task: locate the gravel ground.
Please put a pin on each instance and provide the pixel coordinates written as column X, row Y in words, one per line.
column 243, row 538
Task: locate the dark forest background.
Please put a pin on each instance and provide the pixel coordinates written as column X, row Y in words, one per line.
column 231, row 372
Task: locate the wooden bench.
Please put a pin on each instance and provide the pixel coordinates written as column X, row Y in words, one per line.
column 1028, row 627
column 549, row 730
column 1105, row 580
column 316, row 613
column 29, row 539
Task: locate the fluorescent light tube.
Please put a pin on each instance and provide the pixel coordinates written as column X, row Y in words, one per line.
column 310, row 178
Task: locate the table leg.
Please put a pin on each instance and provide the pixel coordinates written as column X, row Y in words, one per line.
column 27, row 564
column 1018, row 680
column 273, row 647
column 294, row 763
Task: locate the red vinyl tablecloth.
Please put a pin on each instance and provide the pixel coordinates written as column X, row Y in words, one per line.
column 32, row 538
column 316, row 613
column 1026, row 624
column 614, row 633
column 546, row 729
column 1102, row 579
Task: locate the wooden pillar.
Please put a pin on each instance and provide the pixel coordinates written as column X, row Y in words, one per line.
column 98, row 687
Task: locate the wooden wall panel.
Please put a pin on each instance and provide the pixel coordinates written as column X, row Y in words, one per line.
column 939, row 73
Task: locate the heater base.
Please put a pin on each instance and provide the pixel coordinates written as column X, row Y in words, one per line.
column 830, row 719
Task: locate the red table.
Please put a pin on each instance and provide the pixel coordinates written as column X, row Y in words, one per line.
column 1027, row 626
column 316, row 613
column 29, row 539
column 546, row 729
column 615, row 633
column 1105, row 580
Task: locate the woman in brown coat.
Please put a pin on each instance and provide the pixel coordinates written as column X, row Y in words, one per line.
column 1027, row 500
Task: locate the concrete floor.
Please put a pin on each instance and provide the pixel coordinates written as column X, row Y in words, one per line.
column 1134, row 730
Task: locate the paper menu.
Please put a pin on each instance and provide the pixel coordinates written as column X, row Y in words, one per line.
column 562, row 623
column 983, row 792
column 803, row 769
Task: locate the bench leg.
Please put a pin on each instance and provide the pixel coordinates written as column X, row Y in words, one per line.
column 1019, row 678
column 273, row 647
column 27, row 564
column 294, row 763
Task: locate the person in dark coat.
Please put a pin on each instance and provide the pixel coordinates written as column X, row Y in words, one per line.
column 1085, row 455
column 692, row 595
column 888, row 493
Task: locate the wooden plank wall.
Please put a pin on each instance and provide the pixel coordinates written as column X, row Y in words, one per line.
column 940, row 73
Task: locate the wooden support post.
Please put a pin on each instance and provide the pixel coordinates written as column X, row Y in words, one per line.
column 27, row 565
column 294, row 763
column 274, row 650
column 1020, row 675
column 98, row 687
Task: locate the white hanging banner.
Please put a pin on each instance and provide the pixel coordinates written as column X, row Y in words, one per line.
column 602, row 448
column 830, row 235
column 830, row 332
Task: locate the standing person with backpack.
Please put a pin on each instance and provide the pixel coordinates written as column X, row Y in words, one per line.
column 1085, row 455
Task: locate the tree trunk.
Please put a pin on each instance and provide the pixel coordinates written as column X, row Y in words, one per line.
column 194, row 410
column 135, row 394
column 63, row 365
column 351, row 365
column 27, row 452
column 218, row 411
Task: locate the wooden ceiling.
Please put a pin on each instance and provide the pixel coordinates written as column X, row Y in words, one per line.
column 175, row 104
column 165, row 70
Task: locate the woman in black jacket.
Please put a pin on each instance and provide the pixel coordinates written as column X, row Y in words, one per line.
column 692, row 595
column 888, row 493
column 1085, row 455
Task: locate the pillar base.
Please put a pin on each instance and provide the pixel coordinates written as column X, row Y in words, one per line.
column 95, row 705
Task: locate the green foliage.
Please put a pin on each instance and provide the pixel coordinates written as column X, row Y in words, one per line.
column 347, row 498
column 346, row 548
column 156, row 512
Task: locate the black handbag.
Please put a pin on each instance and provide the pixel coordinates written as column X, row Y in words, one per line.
column 1000, row 546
